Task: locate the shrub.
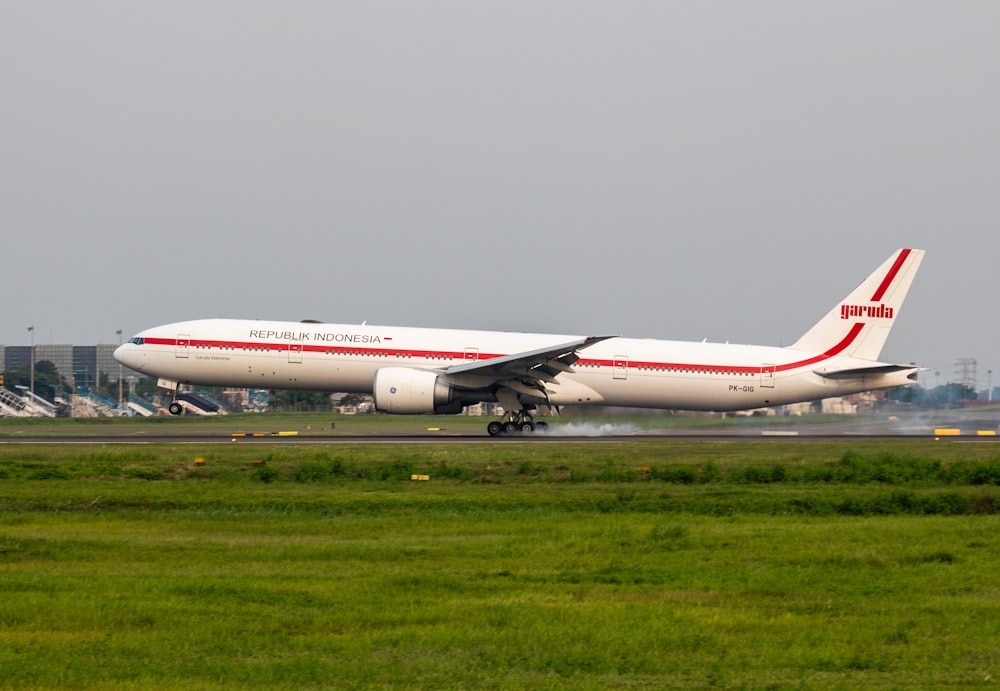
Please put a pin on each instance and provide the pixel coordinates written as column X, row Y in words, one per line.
column 985, row 474
column 266, row 473
column 397, row 470
column 319, row 472
column 143, row 473
column 49, row 472
column 676, row 475
column 452, row 472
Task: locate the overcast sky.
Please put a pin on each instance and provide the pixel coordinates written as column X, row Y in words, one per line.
column 681, row 170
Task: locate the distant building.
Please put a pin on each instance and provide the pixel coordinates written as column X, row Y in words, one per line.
column 77, row 365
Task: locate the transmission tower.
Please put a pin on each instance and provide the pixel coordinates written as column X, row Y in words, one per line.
column 965, row 372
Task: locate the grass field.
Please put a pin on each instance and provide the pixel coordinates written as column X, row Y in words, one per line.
column 618, row 564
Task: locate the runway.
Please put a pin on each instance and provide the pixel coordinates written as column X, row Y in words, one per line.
column 268, row 439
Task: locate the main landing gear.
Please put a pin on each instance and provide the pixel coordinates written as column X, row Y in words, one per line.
column 519, row 422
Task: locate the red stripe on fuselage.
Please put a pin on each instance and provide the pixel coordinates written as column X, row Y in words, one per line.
column 197, row 344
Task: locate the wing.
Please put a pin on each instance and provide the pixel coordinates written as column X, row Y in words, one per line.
column 525, row 373
column 544, row 364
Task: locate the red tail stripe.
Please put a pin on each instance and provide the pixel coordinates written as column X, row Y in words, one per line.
column 891, row 276
column 835, row 350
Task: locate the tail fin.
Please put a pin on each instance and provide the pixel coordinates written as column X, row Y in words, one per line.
column 860, row 323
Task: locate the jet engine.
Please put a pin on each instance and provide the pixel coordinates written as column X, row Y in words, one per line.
column 413, row 391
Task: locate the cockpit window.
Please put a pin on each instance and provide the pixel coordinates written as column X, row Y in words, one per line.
column 137, row 340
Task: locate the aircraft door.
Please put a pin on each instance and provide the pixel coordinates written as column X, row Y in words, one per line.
column 294, row 352
column 767, row 376
column 471, row 354
column 619, row 369
column 181, row 348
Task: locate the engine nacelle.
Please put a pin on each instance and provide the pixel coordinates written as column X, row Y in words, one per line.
column 412, row 391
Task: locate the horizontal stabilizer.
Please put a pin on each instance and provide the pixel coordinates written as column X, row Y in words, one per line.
column 858, row 372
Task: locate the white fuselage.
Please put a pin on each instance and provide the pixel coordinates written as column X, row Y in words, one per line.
column 617, row 371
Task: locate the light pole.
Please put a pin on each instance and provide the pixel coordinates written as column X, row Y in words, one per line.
column 31, row 331
column 121, row 401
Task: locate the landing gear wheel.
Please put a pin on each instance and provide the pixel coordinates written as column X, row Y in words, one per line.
column 175, row 408
column 516, row 422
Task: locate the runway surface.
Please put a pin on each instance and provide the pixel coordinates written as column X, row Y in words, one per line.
column 981, row 427
column 450, row 438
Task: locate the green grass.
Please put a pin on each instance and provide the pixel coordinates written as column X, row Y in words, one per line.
column 624, row 564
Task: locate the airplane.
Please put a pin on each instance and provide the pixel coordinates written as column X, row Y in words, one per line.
column 421, row 370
